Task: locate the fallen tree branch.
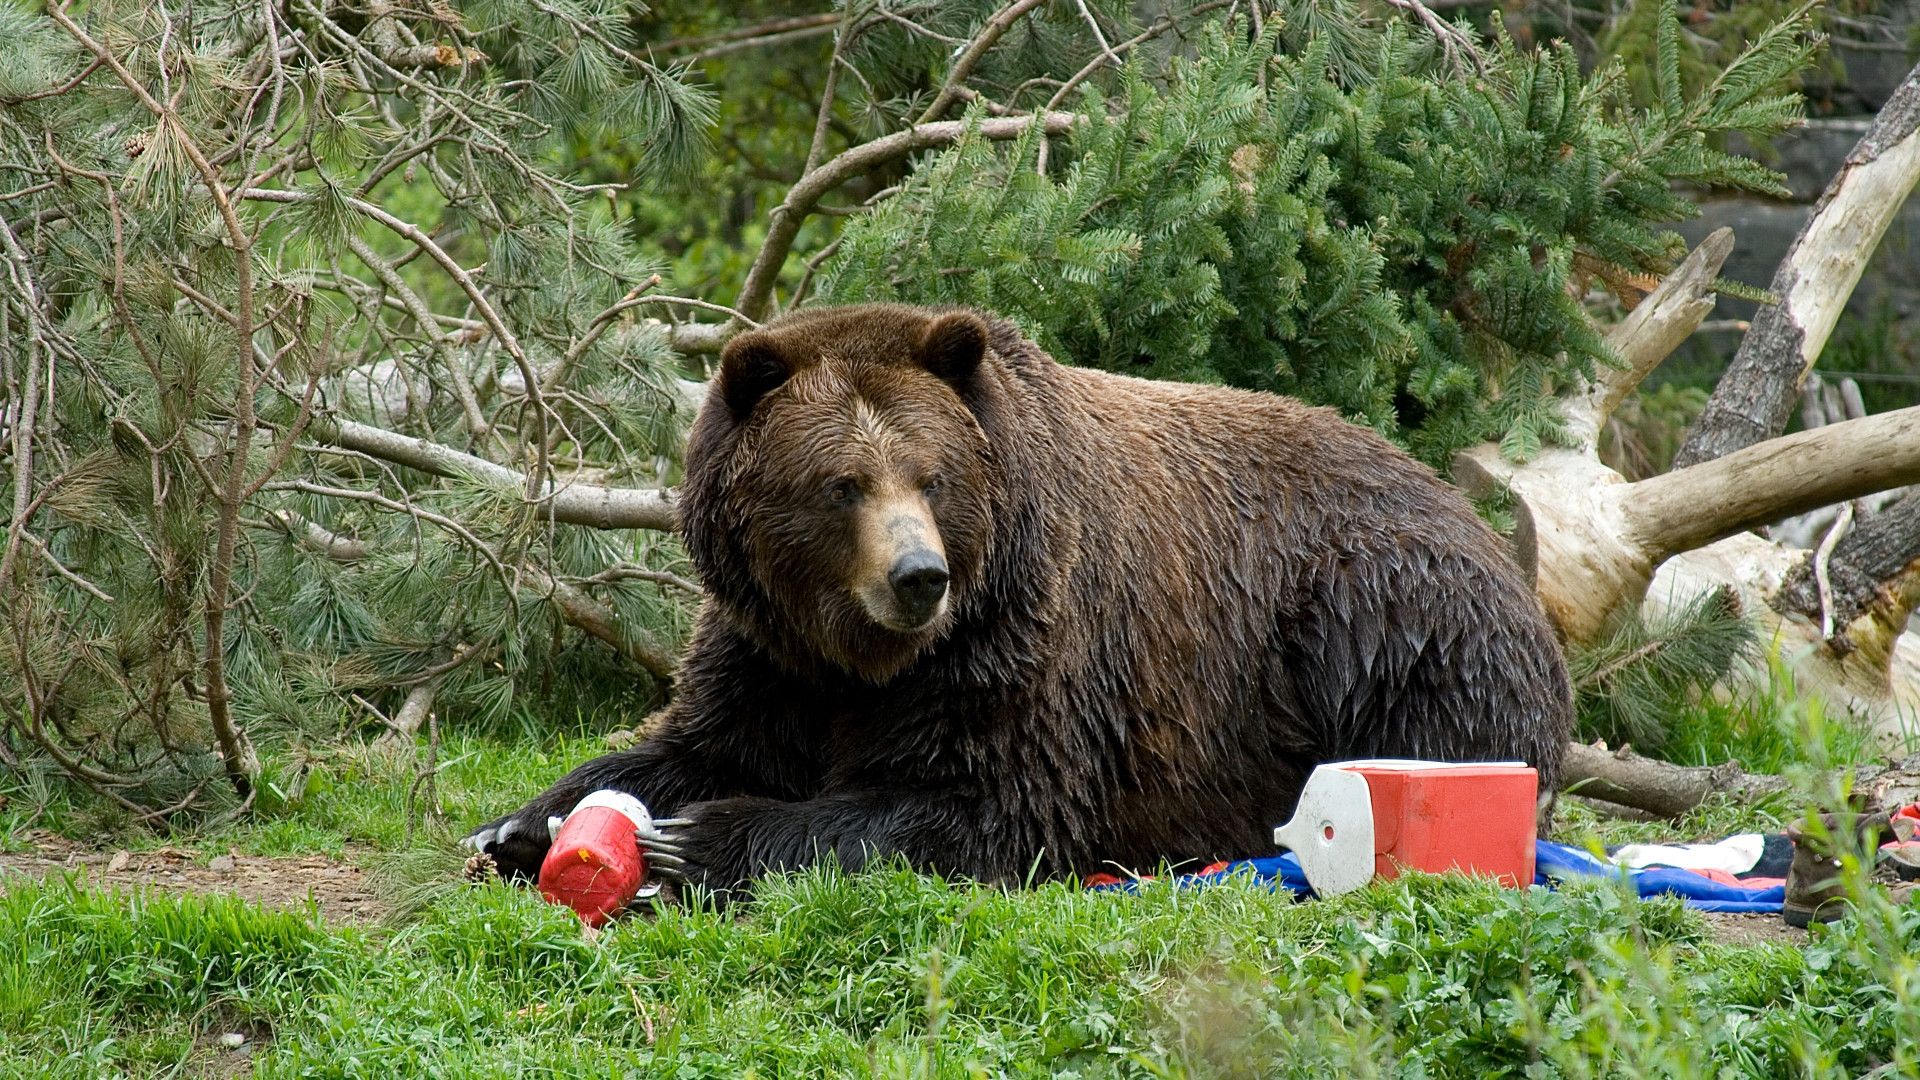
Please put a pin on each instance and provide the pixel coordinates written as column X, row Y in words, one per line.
column 1691, row 507
column 573, row 504
column 1624, row 778
column 1595, row 539
column 1658, row 787
column 1753, row 399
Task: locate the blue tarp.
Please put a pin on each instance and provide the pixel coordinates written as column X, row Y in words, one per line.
column 1552, row 862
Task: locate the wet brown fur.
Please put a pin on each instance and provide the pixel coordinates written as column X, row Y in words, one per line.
column 1168, row 602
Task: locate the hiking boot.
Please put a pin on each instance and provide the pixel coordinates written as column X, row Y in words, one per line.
column 1815, row 891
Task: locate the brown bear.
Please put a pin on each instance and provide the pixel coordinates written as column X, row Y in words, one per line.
column 996, row 615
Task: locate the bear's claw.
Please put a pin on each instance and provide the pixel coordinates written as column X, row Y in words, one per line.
column 665, row 849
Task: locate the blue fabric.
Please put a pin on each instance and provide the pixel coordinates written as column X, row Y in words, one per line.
column 1558, row 862
column 1552, row 862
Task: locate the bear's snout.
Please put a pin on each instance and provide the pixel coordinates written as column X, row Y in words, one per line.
column 919, row 581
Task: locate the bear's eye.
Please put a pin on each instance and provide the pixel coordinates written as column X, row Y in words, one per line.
column 843, row 491
column 930, row 487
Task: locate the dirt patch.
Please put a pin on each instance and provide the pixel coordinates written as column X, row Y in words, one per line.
column 339, row 888
column 1745, row 928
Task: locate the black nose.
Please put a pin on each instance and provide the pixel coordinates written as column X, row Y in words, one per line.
column 919, row 580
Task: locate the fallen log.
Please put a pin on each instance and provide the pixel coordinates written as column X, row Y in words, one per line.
column 1624, row 778
column 1658, row 787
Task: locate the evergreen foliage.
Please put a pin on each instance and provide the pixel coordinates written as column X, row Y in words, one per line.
column 235, row 236
column 1370, row 234
column 123, row 317
column 1630, row 681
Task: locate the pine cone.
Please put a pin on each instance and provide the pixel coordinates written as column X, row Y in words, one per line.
column 481, row 868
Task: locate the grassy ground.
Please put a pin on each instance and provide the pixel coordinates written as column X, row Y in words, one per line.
column 897, row 974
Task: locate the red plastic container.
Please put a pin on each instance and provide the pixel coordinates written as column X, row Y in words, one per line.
column 596, row 865
column 1440, row 816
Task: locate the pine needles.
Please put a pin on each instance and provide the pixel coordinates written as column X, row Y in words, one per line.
column 1631, row 683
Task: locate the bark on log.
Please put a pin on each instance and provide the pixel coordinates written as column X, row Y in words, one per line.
column 1753, row 399
column 1626, row 779
column 1874, row 569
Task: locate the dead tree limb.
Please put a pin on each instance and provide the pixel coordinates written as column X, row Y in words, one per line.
column 574, row 504
column 1667, row 317
column 1624, row 778
column 1874, row 569
column 1627, row 779
column 1597, row 538
column 1753, row 399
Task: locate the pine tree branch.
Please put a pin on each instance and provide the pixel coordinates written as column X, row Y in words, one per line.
column 318, row 538
column 970, row 57
column 806, row 193
column 630, row 572
column 423, row 317
column 432, row 56
column 236, row 749
column 573, row 504
column 1451, row 39
column 1754, row 398
column 542, row 412
column 771, row 32
column 573, row 603
column 61, row 568
column 20, row 269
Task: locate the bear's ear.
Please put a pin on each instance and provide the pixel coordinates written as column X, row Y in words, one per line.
column 751, row 366
column 953, row 347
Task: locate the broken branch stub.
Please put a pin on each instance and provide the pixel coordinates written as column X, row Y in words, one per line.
column 1598, row 538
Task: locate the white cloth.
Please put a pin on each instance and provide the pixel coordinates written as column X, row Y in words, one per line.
column 1734, row 855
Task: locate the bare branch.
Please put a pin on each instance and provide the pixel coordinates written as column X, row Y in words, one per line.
column 630, row 572
column 969, row 58
column 60, row 568
column 574, row 504
column 757, row 294
column 433, row 56
column 1651, row 332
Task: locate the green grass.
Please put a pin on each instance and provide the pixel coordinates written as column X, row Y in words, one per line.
column 894, row 974
column 897, row 974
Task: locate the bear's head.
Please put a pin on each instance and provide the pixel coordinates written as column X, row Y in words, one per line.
column 840, row 489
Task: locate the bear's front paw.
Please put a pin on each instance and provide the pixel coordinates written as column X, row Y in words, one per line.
column 517, row 843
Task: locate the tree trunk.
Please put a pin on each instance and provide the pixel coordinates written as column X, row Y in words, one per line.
column 1753, row 399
